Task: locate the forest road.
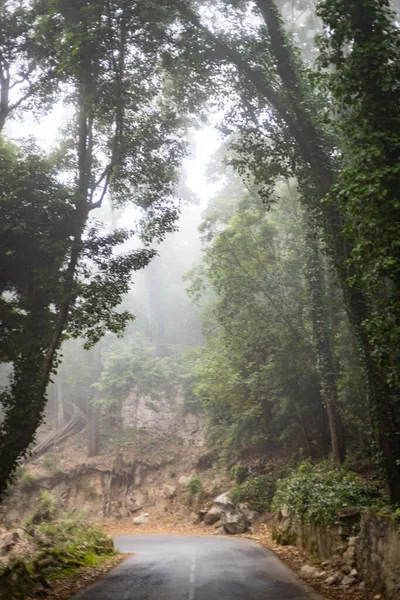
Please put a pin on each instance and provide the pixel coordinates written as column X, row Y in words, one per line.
column 180, row 567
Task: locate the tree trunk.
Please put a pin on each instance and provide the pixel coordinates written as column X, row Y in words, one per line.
column 94, row 423
column 322, row 340
column 60, row 406
column 94, row 430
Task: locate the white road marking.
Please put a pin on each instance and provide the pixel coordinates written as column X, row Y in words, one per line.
column 192, row 580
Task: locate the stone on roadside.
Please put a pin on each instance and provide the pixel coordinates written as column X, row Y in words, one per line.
column 320, row 574
column 354, row 573
column 235, row 519
column 333, row 579
column 308, row 571
column 140, row 520
column 326, row 563
column 350, row 553
column 212, row 516
column 352, row 541
column 348, row 581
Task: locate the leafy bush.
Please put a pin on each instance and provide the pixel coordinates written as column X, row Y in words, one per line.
column 28, row 481
column 240, row 473
column 45, row 510
column 257, row 492
column 195, row 486
column 68, row 545
column 318, row 494
column 49, row 461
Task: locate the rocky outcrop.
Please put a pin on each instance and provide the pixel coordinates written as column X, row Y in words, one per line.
column 166, row 417
column 235, row 519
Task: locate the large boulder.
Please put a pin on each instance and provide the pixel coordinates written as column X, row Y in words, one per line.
column 235, row 519
column 212, row 516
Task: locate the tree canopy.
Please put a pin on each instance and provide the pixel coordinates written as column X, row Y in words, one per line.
column 300, row 267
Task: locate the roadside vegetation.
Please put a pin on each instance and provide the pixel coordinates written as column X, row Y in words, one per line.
column 55, row 546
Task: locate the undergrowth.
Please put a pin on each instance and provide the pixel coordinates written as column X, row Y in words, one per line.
column 67, row 545
column 320, row 494
column 257, row 492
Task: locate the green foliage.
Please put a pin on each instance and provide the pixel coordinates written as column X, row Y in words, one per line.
column 45, row 510
column 256, row 492
column 28, row 481
column 320, row 494
column 68, row 545
column 49, row 461
column 257, row 370
column 195, row 487
column 240, row 473
column 62, row 548
column 61, row 273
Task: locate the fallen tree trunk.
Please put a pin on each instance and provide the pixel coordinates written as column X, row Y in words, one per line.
column 76, row 423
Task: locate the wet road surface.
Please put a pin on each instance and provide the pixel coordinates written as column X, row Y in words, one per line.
column 173, row 567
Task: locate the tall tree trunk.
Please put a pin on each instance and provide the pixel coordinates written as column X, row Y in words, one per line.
column 60, row 405
column 94, row 422
column 94, row 430
column 322, row 340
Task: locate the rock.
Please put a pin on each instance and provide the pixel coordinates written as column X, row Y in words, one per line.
column 8, row 541
column 346, row 569
column 184, row 481
column 212, row 516
column 333, row 579
column 146, row 514
column 219, row 531
column 354, row 573
column 336, row 560
column 362, row 586
column 348, row 580
column 352, row 541
column 350, row 554
column 201, row 514
column 320, row 574
column 340, row 549
column 308, row 571
column 378, row 597
column 223, row 500
column 235, row 522
column 140, row 520
column 326, row 563
column 234, row 519
column 169, row 491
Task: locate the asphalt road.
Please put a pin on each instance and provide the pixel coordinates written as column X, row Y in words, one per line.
column 173, row 567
